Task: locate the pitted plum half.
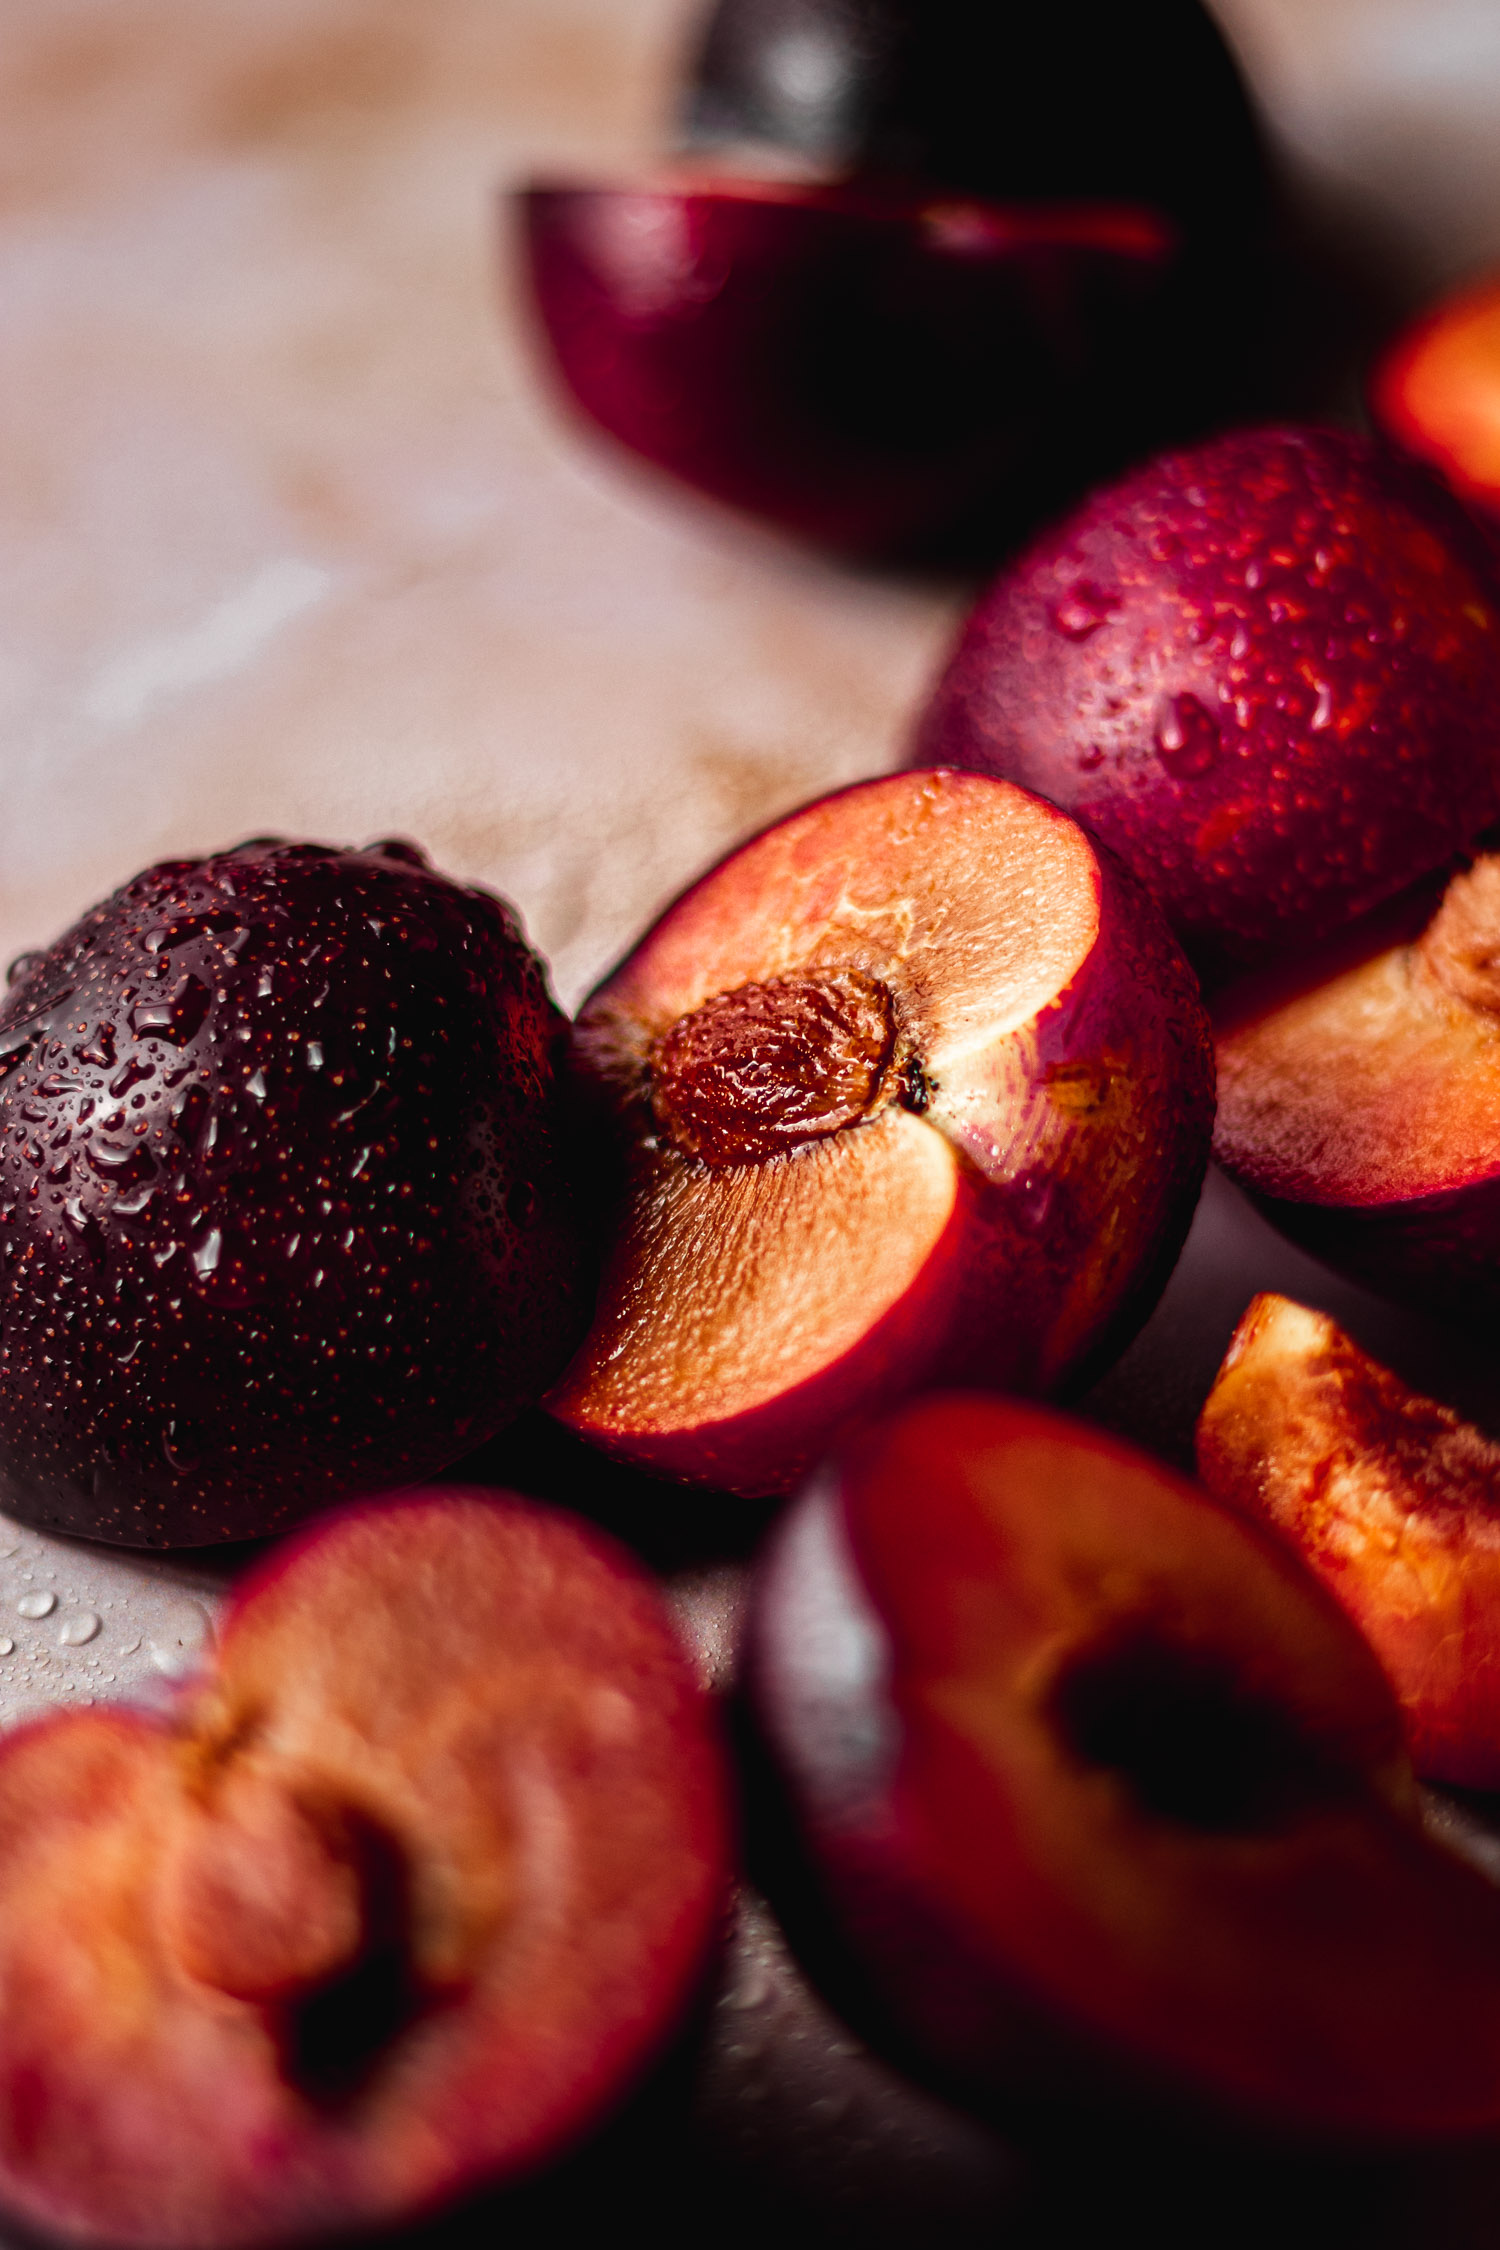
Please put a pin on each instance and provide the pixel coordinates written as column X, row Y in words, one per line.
column 395, row 1904
column 1391, row 1497
column 912, row 1087
column 284, row 1211
column 872, row 366
column 1109, row 1797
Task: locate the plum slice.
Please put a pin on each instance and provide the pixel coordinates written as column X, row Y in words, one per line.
column 867, row 365
column 1359, row 1098
column 286, row 1212
column 1107, row 1793
column 1436, row 393
column 1392, row 1499
column 392, row 1906
column 1263, row 669
column 913, row 1087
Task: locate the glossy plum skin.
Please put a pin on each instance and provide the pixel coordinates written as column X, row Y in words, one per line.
column 285, row 1212
column 872, row 369
column 1264, row 670
column 997, row 100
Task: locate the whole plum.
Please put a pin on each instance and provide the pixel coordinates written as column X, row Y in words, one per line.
column 284, row 1206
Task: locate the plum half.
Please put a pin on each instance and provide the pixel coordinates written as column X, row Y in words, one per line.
column 912, row 1088
column 1359, row 1099
column 1391, row 1498
column 285, row 1206
column 867, row 366
column 1108, row 1795
column 392, row 1905
column 1265, row 670
column 1145, row 104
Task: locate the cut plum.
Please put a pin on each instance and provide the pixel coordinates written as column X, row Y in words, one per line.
column 394, row 1904
column 912, row 1088
column 1391, row 1498
column 1108, row 1796
column 1360, row 1102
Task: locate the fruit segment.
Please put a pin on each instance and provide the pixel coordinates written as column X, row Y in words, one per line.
column 395, row 1903
column 1264, row 670
column 1391, row 1498
column 1360, row 1102
column 1109, row 1796
column 864, row 365
column 914, row 1086
column 1437, row 392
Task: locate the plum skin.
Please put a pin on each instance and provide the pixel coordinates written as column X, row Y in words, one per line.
column 285, row 1211
column 1262, row 669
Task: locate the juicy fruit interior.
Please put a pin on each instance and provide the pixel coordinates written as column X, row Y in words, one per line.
column 812, row 1059
column 1159, row 1781
column 1380, row 1082
column 392, row 1906
column 283, row 1210
column 1392, row 1499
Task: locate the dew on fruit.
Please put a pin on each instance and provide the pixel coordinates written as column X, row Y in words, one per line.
column 182, row 1446
column 76, row 1631
column 1082, row 610
column 1187, row 737
column 207, row 1252
column 40, row 1604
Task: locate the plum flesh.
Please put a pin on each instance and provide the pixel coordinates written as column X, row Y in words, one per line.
column 285, row 1212
column 1109, row 1798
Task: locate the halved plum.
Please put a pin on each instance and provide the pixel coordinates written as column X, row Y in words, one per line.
column 1361, row 1105
column 1391, row 1498
column 867, row 365
column 1109, row 1796
column 912, row 1088
column 392, row 1905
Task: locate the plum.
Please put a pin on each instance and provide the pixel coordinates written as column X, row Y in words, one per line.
column 394, row 1903
column 912, row 1088
column 286, row 1207
column 1264, row 669
column 1109, row 1796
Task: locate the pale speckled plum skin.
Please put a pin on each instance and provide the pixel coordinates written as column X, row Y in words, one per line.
column 1266, row 670
column 284, row 1210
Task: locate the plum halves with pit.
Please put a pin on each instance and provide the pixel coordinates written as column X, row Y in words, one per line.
column 1108, row 1796
column 913, row 1088
column 391, row 1906
column 284, row 1209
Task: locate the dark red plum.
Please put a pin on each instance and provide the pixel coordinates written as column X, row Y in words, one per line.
column 1005, row 100
column 1265, row 670
column 866, row 367
column 285, row 1211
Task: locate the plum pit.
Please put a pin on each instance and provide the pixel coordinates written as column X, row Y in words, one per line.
column 773, row 1064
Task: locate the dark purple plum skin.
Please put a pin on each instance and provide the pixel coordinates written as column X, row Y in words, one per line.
column 285, row 1206
column 1264, row 670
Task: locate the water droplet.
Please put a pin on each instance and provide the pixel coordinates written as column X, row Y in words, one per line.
column 1323, row 712
column 206, row 1255
column 1083, row 609
column 753, row 1989
column 182, row 1447
column 78, row 1629
column 128, row 1648
column 314, row 1054
column 173, row 1015
column 255, row 1085
column 1187, row 738
column 40, row 1604
column 181, row 1641
column 7, row 1645
column 22, row 966
column 8, row 1546
column 520, row 1203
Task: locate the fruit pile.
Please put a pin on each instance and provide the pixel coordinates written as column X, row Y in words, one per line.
column 1097, row 1790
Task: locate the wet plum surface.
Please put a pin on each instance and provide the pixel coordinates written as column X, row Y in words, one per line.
column 283, row 1208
